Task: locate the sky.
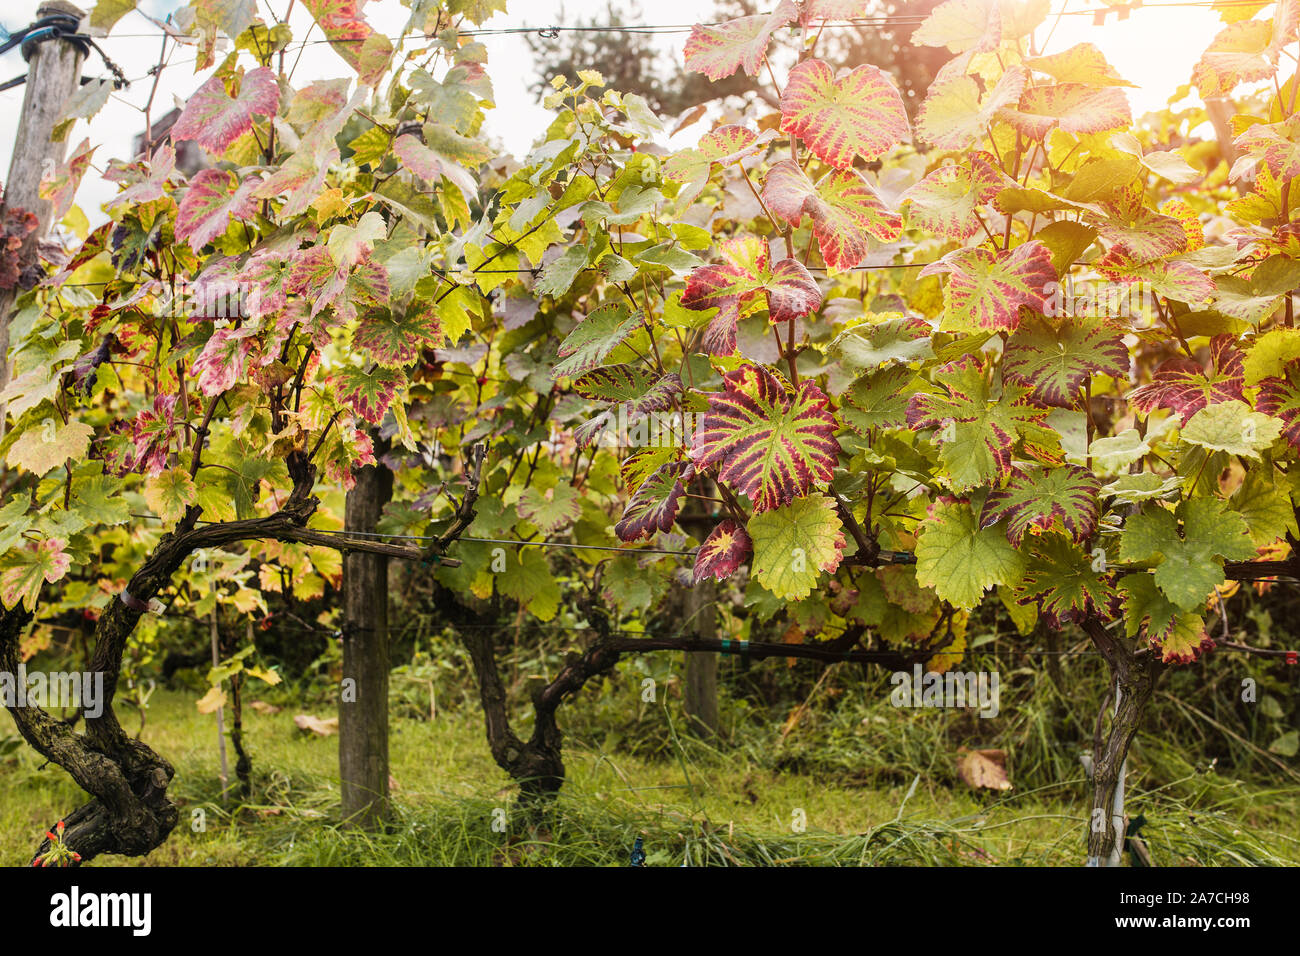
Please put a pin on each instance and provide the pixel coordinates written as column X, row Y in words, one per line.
column 1154, row 48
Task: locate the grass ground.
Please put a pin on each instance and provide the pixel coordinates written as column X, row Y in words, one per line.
column 694, row 803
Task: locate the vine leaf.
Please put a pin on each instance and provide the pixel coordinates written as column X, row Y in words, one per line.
column 794, row 544
column 170, row 493
column 962, row 26
column 223, row 359
column 654, row 506
column 1279, row 396
column 1069, row 107
column 895, row 339
column 1231, row 427
column 843, row 207
column 1188, row 568
column 215, row 119
column 771, row 445
column 1179, row 635
column 25, row 570
column 858, row 114
column 1053, row 361
column 351, row 37
column 1245, row 52
column 1081, row 63
column 946, row 201
column 212, row 200
column 614, row 383
column 1184, row 386
column 551, row 509
column 42, row 449
column 720, row 147
column 739, row 280
column 1060, row 580
column 719, row 50
column 595, row 338
column 392, row 340
column 975, row 435
column 722, row 552
column 960, row 560
column 955, row 116
column 1035, row 501
column 369, row 393
column 986, row 289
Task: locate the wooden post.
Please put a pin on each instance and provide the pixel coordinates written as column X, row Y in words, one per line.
column 700, row 694
column 363, row 702
column 221, row 711
column 53, row 74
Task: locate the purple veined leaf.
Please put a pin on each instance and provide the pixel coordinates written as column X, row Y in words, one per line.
column 351, row 37
column 1184, row 386
column 719, row 50
column 369, row 392
column 1140, row 233
column 986, row 289
column 771, row 445
column 843, row 207
column 1034, row 501
column 214, row 119
column 300, row 178
column 741, row 277
column 858, row 114
column 315, row 275
column 214, row 198
column 148, row 181
column 723, row 552
column 1172, row 278
column 947, row 200
column 1054, row 360
column 1069, row 107
column 394, row 340
column 593, row 430
column 1279, row 396
column 654, row 506
column 224, row 359
column 720, row 147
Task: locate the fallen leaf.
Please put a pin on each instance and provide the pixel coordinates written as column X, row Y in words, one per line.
column 983, row 768
column 262, row 707
column 316, row 725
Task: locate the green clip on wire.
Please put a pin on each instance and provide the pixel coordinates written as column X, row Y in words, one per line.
column 742, row 647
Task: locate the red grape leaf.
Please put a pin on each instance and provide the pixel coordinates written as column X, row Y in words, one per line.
column 1054, row 361
column 986, row 289
column 393, row 340
column 771, row 445
column 369, row 392
column 655, row 504
column 1245, row 52
column 843, row 206
column 857, row 114
column 223, row 359
column 722, row 552
column 352, row 38
column 1070, row 107
column 739, row 280
column 719, row 50
column 1279, row 396
column 1184, row 386
column 215, row 119
column 946, row 200
column 1034, row 501
column 212, row 200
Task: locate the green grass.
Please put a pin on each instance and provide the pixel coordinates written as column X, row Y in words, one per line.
column 875, row 786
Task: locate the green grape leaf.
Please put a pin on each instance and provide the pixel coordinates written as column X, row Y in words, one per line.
column 794, row 544
column 1244, row 52
column 369, row 392
column 1233, row 428
column 773, row 446
column 879, row 400
column 527, row 579
column 1179, row 635
column 595, row 338
column 1189, row 567
column 170, row 493
column 954, row 116
column 1060, row 581
column 896, row 339
column 1081, row 63
column 958, row 559
column 962, row 26
column 551, row 509
column 1266, row 508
